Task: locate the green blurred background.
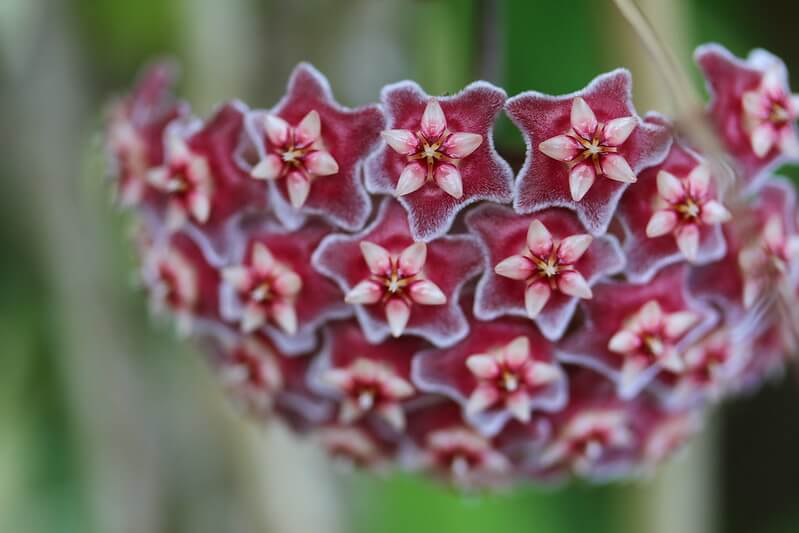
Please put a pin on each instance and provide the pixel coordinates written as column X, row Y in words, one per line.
column 109, row 424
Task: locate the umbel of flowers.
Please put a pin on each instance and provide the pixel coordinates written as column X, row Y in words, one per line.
column 381, row 280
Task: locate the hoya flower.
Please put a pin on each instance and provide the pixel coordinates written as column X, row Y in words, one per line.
column 452, row 450
column 759, row 259
column 180, row 281
column 365, row 378
column 269, row 289
column 136, row 128
column 591, row 442
column 752, row 108
column 538, row 266
column 673, row 213
column 499, row 372
column 352, row 446
column 584, row 148
column 772, row 257
column 711, row 366
column 311, row 150
column 439, row 155
column 270, row 286
column 199, row 177
column 400, row 286
column 642, row 331
column 251, row 374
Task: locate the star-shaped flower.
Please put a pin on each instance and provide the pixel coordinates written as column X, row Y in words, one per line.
column 672, row 214
column 399, row 286
column 251, row 373
column 711, row 368
column 199, row 177
column 136, row 128
column 752, row 108
column 584, row 148
column 632, row 332
column 269, row 289
column 457, row 453
column 761, row 255
column 770, row 259
column 539, row 265
column 439, row 155
column 270, row 286
column 180, row 281
column 311, row 150
column 591, row 441
column 502, row 370
column 366, row 378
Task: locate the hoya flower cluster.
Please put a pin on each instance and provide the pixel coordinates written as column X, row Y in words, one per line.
column 384, row 282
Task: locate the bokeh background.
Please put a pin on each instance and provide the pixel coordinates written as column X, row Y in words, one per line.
column 109, row 424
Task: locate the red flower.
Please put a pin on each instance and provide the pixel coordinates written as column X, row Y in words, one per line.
column 752, row 108
column 501, row 371
column 399, row 286
column 270, row 286
column 672, row 214
column 367, row 379
column 135, row 131
column 311, row 149
column 538, row 266
column 583, row 149
column 180, row 280
column 199, row 177
column 634, row 331
column 439, row 155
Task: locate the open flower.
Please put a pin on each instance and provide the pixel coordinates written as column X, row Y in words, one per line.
column 772, row 258
column 396, row 282
column 311, row 150
column 365, row 380
column 180, row 281
column 539, row 265
column 672, row 214
column 591, row 442
column 752, row 108
column 649, row 337
column 632, row 332
column 296, row 154
column 591, row 148
column 584, row 148
column 250, row 372
column 439, row 155
column 366, row 386
column 686, row 206
column 270, row 286
column 501, row 371
column 136, row 129
column 199, row 178
column 547, row 265
column 268, row 290
column 433, row 153
column 397, row 285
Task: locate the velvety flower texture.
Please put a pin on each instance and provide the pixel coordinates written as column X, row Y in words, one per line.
column 577, row 324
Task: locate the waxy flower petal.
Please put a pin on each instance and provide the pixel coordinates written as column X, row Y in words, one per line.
column 502, row 371
column 526, row 258
column 270, row 286
column 613, row 147
column 320, row 146
column 420, row 283
column 672, row 214
column 752, row 109
column 644, row 330
column 452, row 162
